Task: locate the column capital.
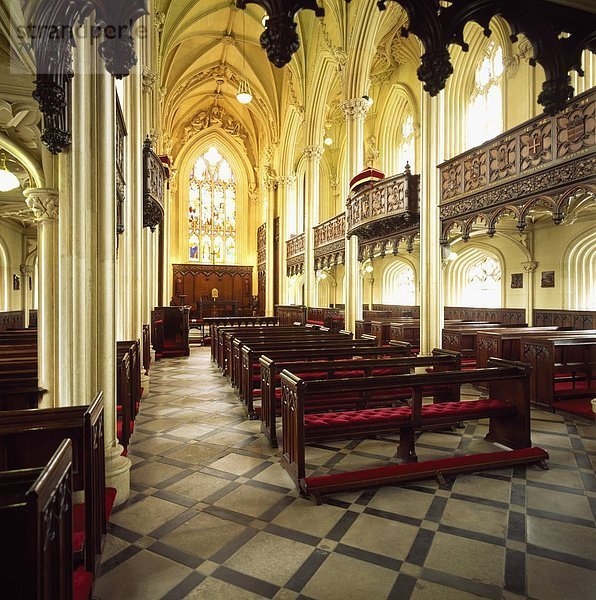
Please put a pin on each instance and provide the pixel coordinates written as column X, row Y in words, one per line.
column 26, row 269
column 530, row 266
column 287, row 180
column 313, row 152
column 355, row 108
column 43, row 203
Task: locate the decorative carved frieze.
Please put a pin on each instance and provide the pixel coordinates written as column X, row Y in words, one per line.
column 262, row 245
column 295, row 255
column 541, row 163
column 384, row 208
column 313, row 153
column 215, row 116
column 154, row 182
column 330, row 242
column 388, row 244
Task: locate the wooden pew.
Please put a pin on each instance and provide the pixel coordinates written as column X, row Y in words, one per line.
column 508, row 408
column 19, row 387
column 28, row 439
column 36, row 524
column 280, row 342
column 213, row 322
column 505, row 342
column 169, row 333
column 343, row 364
column 146, row 348
column 251, row 350
column 555, row 363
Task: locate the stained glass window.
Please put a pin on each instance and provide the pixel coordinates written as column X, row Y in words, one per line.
column 212, row 210
column 485, row 113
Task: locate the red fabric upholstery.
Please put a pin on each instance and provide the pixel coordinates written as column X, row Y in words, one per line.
column 347, row 419
column 78, row 518
column 578, row 406
column 119, row 428
column 119, row 408
column 82, row 582
column 464, row 410
column 321, row 323
column 564, row 386
column 78, row 540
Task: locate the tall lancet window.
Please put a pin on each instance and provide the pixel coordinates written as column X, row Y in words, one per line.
column 212, row 210
column 407, row 148
column 485, row 113
column 483, row 283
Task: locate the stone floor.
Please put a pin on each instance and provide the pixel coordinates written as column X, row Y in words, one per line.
column 213, row 515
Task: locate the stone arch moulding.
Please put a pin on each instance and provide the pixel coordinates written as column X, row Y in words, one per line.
column 579, row 271
column 51, row 25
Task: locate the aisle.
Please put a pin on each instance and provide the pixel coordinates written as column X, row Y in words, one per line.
column 212, row 515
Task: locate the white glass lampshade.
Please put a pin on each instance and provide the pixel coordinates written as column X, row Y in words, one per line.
column 243, row 95
column 8, row 180
column 328, row 141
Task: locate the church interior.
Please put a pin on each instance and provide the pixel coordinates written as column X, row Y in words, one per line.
column 297, row 299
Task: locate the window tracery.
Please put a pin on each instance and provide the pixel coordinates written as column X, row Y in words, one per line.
column 406, row 148
column 483, row 283
column 212, row 210
column 485, row 111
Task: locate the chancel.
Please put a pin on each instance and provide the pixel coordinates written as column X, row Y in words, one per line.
column 297, row 299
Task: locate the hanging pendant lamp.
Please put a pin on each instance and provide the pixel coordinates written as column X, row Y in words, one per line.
column 8, row 180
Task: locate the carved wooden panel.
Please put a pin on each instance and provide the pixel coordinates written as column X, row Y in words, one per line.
column 154, row 181
column 330, row 242
column 120, row 167
column 262, row 244
column 295, row 255
column 194, row 282
column 578, row 319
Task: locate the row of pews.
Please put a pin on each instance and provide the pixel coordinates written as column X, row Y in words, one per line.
column 54, row 504
column 320, row 385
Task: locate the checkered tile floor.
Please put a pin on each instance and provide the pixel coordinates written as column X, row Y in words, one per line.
column 212, row 515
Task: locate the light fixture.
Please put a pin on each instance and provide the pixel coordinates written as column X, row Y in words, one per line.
column 452, row 255
column 328, row 140
column 369, row 268
column 8, row 180
column 243, row 95
column 368, row 100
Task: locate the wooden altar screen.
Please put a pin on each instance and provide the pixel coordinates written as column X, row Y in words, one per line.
column 195, row 282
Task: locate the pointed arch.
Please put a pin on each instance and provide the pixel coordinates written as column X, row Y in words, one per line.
column 4, row 276
column 579, row 271
column 399, row 281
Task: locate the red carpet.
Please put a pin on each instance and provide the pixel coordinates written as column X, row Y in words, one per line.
column 576, row 406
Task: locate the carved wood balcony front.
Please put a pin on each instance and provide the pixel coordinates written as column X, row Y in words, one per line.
column 545, row 162
column 330, row 242
column 385, row 208
column 295, row 255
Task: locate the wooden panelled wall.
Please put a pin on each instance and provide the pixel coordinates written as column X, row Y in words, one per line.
column 193, row 282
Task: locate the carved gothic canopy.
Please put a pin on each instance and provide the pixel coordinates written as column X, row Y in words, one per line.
column 440, row 23
column 154, row 182
column 51, row 29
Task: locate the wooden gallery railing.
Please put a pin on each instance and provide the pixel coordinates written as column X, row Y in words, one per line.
column 543, row 163
column 330, row 242
column 295, row 255
column 384, row 213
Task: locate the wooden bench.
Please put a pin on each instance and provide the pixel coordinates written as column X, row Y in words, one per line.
column 279, row 343
column 508, row 408
column 146, row 348
column 213, row 322
column 556, row 363
column 36, row 524
column 128, row 388
column 277, row 333
column 169, row 332
column 28, row 438
column 19, row 387
column 343, row 364
column 505, row 342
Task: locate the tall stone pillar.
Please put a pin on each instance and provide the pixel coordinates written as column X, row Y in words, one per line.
column 286, row 187
column 26, row 272
column 44, row 205
column 313, row 155
column 271, row 187
column 355, row 111
column 431, row 289
column 530, row 268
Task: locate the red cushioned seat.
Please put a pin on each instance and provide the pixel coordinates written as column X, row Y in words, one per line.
column 387, row 371
column 119, row 408
column 348, row 374
column 321, row 323
column 563, row 386
column 348, row 419
column 82, row 582
column 464, row 410
column 119, row 428
column 313, row 375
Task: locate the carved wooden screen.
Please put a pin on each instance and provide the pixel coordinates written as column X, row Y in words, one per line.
column 262, row 267
column 119, row 154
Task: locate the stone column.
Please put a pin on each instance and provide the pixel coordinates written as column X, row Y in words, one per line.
column 313, row 155
column 270, row 185
column 431, row 289
column 26, row 272
column 355, row 111
column 286, row 187
column 44, row 205
column 530, row 268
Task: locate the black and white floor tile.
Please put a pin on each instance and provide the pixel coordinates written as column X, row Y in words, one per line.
column 212, row 515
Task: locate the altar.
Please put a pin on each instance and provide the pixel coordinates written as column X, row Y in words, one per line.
column 217, row 308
